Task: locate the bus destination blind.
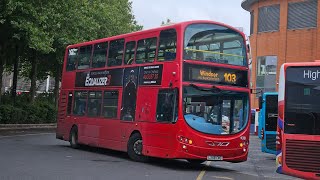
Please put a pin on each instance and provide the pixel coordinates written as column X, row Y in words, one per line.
column 215, row 75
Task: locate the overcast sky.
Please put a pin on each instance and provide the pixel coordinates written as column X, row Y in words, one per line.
column 150, row 13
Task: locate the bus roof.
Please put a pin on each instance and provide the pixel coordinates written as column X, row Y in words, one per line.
column 313, row 63
column 175, row 25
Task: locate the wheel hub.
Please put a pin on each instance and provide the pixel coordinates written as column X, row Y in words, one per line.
column 137, row 147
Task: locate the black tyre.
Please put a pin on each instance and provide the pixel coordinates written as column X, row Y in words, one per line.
column 135, row 147
column 195, row 161
column 74, row 138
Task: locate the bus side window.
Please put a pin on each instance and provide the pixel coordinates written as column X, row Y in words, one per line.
column 80, row 103
column 99, row 55
column 84, row 57
column 110, row 104
column 129, row 52
column 115, row 54
column 72, row 59
column 167, row 108
column 168, row 45
column 146, row 50
column 94, row 103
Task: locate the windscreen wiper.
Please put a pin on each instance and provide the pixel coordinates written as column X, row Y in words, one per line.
column 213, row 89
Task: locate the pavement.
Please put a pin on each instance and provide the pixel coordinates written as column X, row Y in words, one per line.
column 14, row 129
column 38, row 155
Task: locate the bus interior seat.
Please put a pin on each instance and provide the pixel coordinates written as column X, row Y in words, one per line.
column 199, row 55
column 169, row 55
column 223, row 61
column 188, row 54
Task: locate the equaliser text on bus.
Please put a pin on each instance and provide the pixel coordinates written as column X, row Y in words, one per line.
column 101, row 81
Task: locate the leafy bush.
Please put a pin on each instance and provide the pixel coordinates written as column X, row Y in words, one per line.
column 41, row 111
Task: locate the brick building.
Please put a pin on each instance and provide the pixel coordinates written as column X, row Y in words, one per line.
column 280, row 31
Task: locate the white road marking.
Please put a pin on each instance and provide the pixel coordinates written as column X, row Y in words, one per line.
column 222, row 177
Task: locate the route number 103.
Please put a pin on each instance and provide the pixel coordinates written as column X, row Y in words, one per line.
column 230, row 78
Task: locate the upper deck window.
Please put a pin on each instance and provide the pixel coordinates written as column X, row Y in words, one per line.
column 99, row 55
column 115, row 52
column 72, row 59
column 146, row 50
column 129, row 53
column 168, row 45
column 84, row 57
column 214, row 43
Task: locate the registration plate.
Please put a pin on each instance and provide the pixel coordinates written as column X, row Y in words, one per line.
column 214, row 158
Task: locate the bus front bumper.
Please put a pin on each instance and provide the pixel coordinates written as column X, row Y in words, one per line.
column 213, row 154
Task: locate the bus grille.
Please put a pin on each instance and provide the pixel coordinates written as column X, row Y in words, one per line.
column 271, row 141
column 303, row 155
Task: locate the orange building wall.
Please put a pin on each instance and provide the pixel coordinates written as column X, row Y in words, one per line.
column 299, row 45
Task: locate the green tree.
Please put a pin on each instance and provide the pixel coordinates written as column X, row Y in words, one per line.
column 41, row 30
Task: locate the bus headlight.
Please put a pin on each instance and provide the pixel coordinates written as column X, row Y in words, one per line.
column 185, row 140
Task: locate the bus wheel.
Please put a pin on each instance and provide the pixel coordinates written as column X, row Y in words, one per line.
column 195, row 161
column 74, row 138
column 135, row 148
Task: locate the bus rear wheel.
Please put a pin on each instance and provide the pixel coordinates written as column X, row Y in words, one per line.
column 74, row 138
column 135, row 147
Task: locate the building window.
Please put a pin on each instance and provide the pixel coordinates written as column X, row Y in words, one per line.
column 269, row 18
column 302, row 14
column 129, row 53
column 80, row 103
column 266, row 74
column 99, row 55
column 84, row 57
column 115, row 52
column 146, row 50
column 168, row 45
column 251, row 22
column 110, row 104
column 94, row 104
column 72, row 59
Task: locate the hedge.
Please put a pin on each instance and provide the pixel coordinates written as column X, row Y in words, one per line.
column 26, row 113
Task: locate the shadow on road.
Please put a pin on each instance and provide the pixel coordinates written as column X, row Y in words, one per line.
column 173, row 164
column 183, row 165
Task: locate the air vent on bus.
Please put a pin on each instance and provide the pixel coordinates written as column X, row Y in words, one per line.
column 303, row 155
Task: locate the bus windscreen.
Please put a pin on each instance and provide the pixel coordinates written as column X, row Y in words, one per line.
column 271, row 114
column 302, row 96
column 214, row 43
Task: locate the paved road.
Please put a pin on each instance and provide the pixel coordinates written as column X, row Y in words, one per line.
column 41, row 157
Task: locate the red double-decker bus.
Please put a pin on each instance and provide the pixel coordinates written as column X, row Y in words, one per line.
column 178, row 91
column 298, row 131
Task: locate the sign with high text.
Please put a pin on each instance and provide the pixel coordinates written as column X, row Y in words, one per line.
column 305, row 75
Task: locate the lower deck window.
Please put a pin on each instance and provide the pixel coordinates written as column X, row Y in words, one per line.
column 110, row 104
column 80, row 103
